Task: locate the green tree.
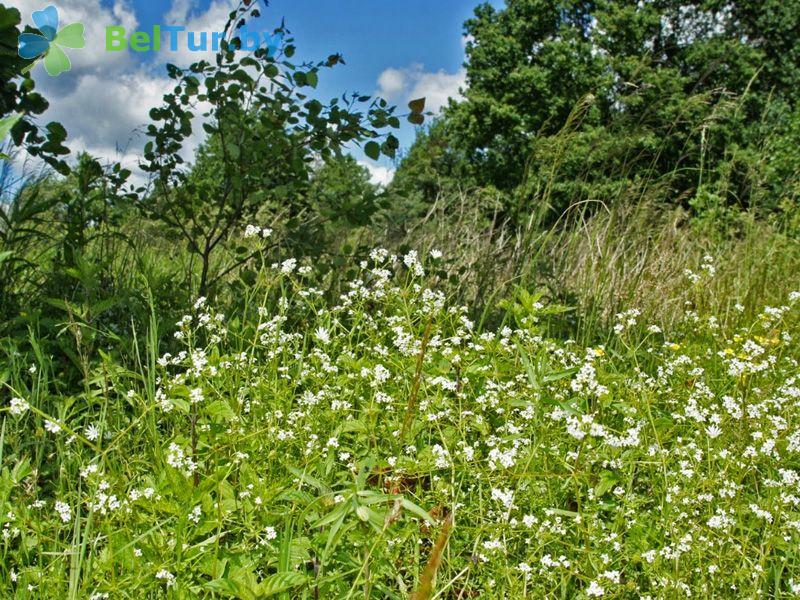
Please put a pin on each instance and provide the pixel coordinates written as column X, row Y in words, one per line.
column 265, row 136
column 341, row 193
column 569, row 100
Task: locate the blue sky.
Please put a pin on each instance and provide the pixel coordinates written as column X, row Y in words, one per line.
column 399, row 50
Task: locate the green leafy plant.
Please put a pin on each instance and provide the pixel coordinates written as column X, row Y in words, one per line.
column 264, row 136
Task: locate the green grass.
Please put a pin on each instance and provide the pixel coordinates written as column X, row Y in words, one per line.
column 382, row 444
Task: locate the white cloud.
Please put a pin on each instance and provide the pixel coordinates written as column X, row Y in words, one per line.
column 392, row 82
column 438, row 87
column 407, row 83
column 378, row 174
column 106, row 115
column 179, row 11
column 110, row 109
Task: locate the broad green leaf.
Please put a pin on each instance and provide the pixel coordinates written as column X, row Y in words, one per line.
column 556, row 375
column 417, row 510
column 298, row 551
column 337, row 513
column 607, row 481
column 181, row 404
column 285, row 553
column 231, row 588
column 564, row 513
column 221, row 409
column 417, row 106
column 280, row 583
column 102, row 306
column 373, row 150
column 335, row 535
column 306, row 478
column 7, row 122
column 374, row 518
column 234, row 152
column 351, row 425
column 64, row 305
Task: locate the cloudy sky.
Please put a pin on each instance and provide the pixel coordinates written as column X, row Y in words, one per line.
column 399, row 50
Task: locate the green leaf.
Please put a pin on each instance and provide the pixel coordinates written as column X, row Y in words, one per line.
column 368, row 515
column 280, row 583
column 564, row 513
column 181, row 404
column 338, row 513
column 231, row 588
column 308, row 479
column 221, row 409
column 417, row 510
column 372, row 150
column 7, row 122
column 417, row 106
column 234, row 152
column 311, row 79
column 64, row 305
column 299, row 551
column 607, row 481
column 285, row 553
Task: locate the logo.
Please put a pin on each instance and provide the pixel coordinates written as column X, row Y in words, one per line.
column 177, row 37
column 49, row 45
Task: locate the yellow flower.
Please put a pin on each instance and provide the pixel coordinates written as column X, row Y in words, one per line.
column 674, row 346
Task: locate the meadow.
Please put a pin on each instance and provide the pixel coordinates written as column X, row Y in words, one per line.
column 367, row 446
column 261, row 375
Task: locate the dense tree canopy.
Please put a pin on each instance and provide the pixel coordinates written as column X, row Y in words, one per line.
column 606, row 93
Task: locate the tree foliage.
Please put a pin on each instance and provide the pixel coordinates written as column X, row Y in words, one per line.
column 265, row 135
column 586, row 98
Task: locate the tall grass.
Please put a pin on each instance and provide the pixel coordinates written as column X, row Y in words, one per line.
column 638, row 255
column 604, row 260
